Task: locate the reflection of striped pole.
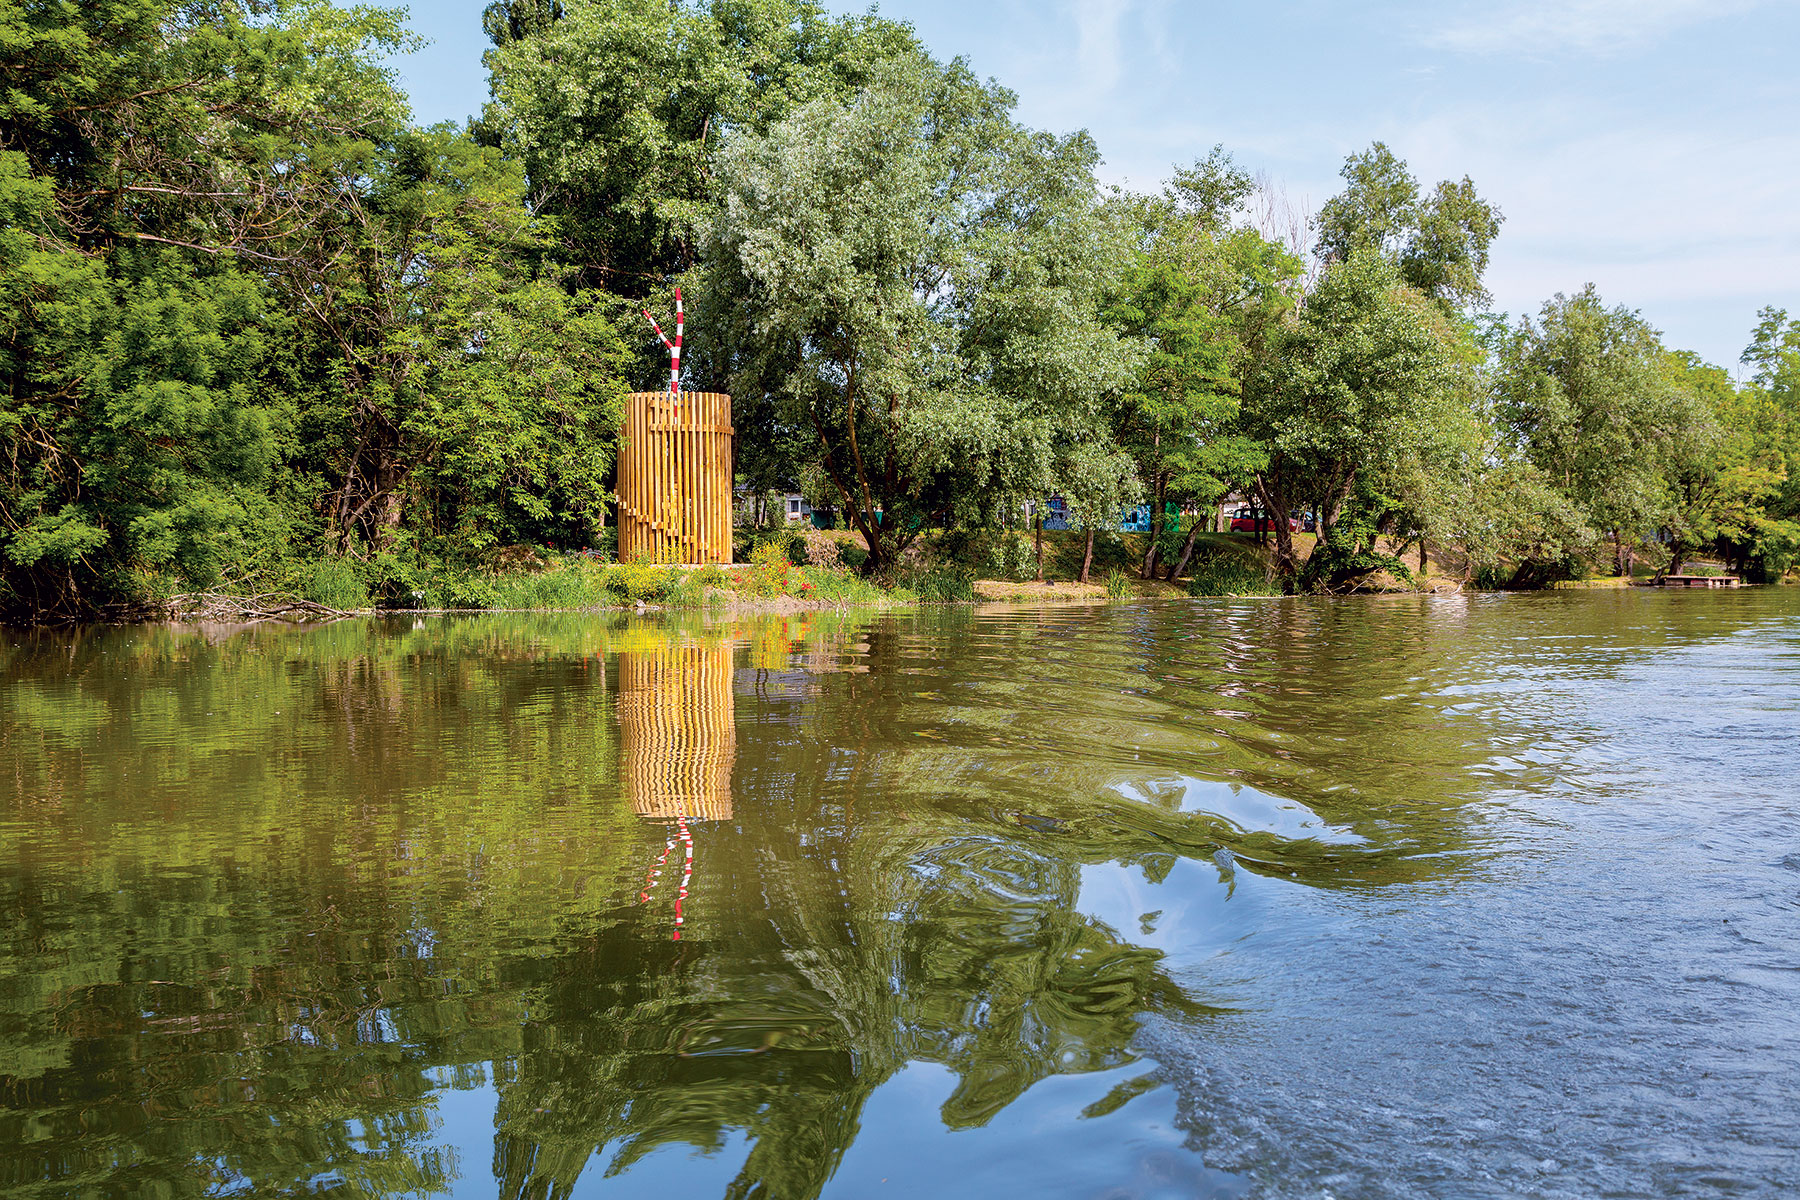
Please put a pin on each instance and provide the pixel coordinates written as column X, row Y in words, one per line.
column 655, row 875
column 674, row 346
column 687, row 872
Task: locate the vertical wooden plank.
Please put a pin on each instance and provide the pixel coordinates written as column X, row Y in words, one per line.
column 722, row 492
column 637, row 475
column 627, row 524
column 704, row 497
column 662, row 475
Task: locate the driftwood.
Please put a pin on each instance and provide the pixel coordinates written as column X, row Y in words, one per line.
column 267, row 606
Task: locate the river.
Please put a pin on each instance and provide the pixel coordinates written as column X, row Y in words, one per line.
column 1460, row 897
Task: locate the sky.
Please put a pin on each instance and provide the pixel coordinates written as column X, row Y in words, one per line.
column 1650, row 147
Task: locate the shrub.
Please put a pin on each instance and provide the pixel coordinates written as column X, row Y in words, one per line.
column 941, row 585
column 640, row 582
column 1012, row 558
column 1230, row 577
column 852, row 556
column 770, row 565
column 335, row 583
column 1118, row 584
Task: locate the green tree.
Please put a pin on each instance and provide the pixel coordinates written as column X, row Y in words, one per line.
column 459, row 384
column 1366, row 376
column 1586, row 396
column 915, row 278
column 1196, row 292
column 615, row 109
column 1440, row 242
column 143, row 182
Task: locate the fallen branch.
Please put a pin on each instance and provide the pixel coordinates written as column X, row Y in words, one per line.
column 268, row 606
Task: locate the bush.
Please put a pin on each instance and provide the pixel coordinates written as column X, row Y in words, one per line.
column 770, row 566
column 335, row 583
column 1118, row 584
column 941, row 585
column 640, row 583
column 606, row 544
column 1013, row 558
column 852, row 556
column 1230, row 577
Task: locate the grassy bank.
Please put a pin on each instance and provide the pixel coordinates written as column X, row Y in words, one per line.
column 787, row 570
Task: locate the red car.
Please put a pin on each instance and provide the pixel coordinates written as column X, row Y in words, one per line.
column 1250, row 520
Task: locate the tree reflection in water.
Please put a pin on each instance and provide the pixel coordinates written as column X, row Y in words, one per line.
column 827, row 956
column 264, row 898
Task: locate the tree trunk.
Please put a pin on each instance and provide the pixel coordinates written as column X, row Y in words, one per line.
column 1677, row 553
column 1156, row 525
column 1618, row 553
column 1087, row 557
column 1276, row 517
column 1187, row 552
column 1421, row 554
column 1038, row 537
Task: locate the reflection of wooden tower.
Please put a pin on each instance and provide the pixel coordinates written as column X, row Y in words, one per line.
column 675, row 478
column 677, row 734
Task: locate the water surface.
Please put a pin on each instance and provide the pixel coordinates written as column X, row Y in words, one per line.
column 1440, row 897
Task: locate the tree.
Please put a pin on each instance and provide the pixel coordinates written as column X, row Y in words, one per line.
column 915, row 279
column 1196, row 291
column 1363, row 377
column 1098, row 482
column 144, row 184
column 1440, row 243
column 1766, row 415
column 449, row 363
column 615, row 109
column 1586, row 396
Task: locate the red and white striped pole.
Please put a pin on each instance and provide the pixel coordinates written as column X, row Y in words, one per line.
column 674, row 346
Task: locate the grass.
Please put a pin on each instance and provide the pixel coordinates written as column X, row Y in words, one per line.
column 1230, row 577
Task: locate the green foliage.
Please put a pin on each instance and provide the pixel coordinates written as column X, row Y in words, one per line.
column 914, row 279
column 1197, row 292
column 1119, row 584
column 616, row 111
column 641, row 583
column 1439, row 243
column 335, row 583
column 1224, row 575
column 1012, row 557
column 1364, row 382
column 946, row 583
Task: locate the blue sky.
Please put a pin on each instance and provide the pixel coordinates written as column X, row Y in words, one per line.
column 1651, row 147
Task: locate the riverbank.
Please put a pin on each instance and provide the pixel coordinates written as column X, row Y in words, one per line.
column 795, row 570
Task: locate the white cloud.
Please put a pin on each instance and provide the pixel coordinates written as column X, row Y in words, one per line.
column 1581, row 26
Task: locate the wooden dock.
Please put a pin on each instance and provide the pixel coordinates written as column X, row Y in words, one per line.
column 1701, row 581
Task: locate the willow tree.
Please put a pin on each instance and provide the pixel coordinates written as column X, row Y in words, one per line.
column 913, row 279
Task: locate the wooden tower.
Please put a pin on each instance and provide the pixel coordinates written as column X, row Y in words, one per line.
column 675, row 471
